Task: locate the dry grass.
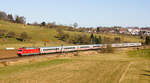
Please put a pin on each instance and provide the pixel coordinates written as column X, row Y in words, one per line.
column 87, row 68
column 7, row 53
column 38, row 35
column 81, row 69
column 75, row 72
column 139, row 72
column 124, row 38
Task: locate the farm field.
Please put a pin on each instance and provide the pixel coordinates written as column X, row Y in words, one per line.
column 86, row 68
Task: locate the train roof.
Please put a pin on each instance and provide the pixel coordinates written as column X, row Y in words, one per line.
column 58, row 47
column 28, row 48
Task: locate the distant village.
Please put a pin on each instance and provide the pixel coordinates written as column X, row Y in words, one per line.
column 120, row 30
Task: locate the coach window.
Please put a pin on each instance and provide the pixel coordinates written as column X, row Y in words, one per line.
column 84, row 47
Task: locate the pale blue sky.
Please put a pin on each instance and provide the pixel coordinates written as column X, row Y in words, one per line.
column 85, row 12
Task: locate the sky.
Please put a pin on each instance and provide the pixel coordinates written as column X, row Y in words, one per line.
column 87, row 13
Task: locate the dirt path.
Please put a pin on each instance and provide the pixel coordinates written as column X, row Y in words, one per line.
column 124, row 73
column 7, row 53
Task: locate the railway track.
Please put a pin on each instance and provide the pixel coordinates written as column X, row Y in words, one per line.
column 9, row 59
column 13, row 59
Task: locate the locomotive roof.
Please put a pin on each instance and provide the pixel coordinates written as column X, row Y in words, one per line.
column 28, row 48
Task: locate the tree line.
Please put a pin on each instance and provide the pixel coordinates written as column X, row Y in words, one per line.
column 83, row 38
column 11, row 18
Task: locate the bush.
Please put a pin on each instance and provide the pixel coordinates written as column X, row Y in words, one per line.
column 11, row 35
column 83, row 39
column 43, row 24
column 3, row 33
column 147, row 40
column 23, row 36
column 107, row 49
column 95, row 39
column 20, row 19
column 76, row 53
column 3, row 15
column 107, row 40
column 73, row 38
column 117, row 39
column 62, row 35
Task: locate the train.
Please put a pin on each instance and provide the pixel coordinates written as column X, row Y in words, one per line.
column 26, row 51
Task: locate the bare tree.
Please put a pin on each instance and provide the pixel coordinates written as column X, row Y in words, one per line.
column 3, row 15
column 75, row 25
column 10, row 17
column 20, row 19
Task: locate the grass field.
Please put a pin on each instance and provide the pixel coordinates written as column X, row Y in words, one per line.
column 118, row 67
column 38, row 35
column 145, row 53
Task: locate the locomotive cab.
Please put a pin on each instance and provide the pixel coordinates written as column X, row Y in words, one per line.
column 20, row 52
column 28, row 51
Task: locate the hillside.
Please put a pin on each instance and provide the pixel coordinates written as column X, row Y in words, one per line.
column 124, row 38
column 39, row 34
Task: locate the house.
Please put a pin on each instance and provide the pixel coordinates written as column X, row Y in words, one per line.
column 145, row 31
column 107, row 30
column 123, row 31
column 134, row 31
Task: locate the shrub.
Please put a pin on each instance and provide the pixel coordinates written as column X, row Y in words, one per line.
column 11, row 34
column 73, row 38
column 3, row 33
column 95, row 39
column 98, row 40
column 23, row 36
column 107, row 40
column 3, row 15
column 76, row 53
column 83, row 39
column 62, row 35
column 147, row 40
column 117, row 39
column 107, row 49
column 20, row 19
column 43, row 24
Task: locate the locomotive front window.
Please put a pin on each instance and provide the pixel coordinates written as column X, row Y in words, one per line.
column 19, row 50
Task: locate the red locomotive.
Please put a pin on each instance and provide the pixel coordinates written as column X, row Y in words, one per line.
column 28, row 51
